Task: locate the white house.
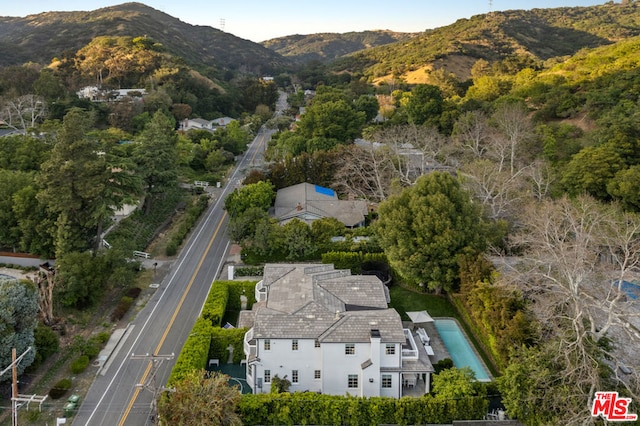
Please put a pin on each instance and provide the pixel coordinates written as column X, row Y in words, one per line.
column 331, row 332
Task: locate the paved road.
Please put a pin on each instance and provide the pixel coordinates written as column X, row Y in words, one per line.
column 162, row 326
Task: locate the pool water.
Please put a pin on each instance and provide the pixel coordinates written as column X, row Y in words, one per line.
column 462, row 354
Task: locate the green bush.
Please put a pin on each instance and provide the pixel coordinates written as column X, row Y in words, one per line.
column 59, row 389
column 312, row 408
column 171, row 249
column 79, row 364
column 46, row 344
column 216, row 303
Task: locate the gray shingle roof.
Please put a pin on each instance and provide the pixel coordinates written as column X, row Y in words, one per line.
column 308, row 202
column 313, row 300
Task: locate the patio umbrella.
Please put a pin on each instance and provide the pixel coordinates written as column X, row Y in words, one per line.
column 420, row 317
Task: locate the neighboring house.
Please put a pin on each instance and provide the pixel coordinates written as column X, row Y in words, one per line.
column 202, row 124
column 331, row 332
column 94, row 93
column 308, row 202
column 222, row 121
column 196, row 123
column 10, row 132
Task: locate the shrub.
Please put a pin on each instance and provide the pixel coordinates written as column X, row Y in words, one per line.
column 59, row 389
column 443, row 364
column 46, row 343
column 171, row 249
column 133, row 292
column 121, row 309
column 79, row 364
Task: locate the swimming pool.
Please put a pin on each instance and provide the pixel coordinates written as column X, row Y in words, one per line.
column 462, row 354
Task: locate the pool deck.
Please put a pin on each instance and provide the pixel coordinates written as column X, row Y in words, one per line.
column 439, row 350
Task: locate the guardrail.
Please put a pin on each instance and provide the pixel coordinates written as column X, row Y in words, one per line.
column 141, row 254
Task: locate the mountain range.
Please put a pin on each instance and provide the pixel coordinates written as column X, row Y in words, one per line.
column 541, row 35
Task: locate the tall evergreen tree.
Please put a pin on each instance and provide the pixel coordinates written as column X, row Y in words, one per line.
column 156, row 157
column 427, row 227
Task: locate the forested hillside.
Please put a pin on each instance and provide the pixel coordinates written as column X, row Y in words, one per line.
column 39, row 38
column 328, row 46
column 538, row 35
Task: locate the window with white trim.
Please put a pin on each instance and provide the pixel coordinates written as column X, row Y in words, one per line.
column 267, row 344
column 387, row 381
column 352, row 381
column 317, row 343
column 390, row 349
column 294, row 376
column 294, row 345
column 267, row 376
column 316, row 374
column 349, row 349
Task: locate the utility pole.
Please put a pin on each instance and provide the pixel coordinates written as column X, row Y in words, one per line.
column 150, row 382
column 14, row 386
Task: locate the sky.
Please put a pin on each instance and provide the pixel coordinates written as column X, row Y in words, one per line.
column 260, row 20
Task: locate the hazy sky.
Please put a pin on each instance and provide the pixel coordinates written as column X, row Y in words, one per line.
column 260, row 20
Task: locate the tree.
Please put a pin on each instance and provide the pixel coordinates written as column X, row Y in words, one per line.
column 454, row 383
column 74, row 181
column 259, row 195
column 367, row 104
column 591, row 169
column 576, row 256
column 365, row 170
column 18, row 320
column 201, row 398
column 24, row 112
column 297, row 239
column 156, row 157
column 332, row 120
column 425, row 228
column 515, row 130
column 425, row 105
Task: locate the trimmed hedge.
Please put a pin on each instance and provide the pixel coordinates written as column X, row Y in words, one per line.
column 195, row 352
column 311, row 408
column 352, row 260
column 235, row 290
column 222, row 338
column 216, row 303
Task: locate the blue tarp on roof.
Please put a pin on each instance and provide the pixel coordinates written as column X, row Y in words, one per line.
column 324, row 191
column 632, row 290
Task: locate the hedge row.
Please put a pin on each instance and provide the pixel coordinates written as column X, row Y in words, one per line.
column 192, row 215
column 352, row 260
column 207, row 340
column 315, row 409
column 481, row 336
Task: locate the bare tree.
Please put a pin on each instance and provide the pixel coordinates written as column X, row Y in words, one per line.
column 498, row 191
column 365, row 170
column 473, row 134
column 415, row 150
column 577, row 255
column 24, row 111
column 515, row 127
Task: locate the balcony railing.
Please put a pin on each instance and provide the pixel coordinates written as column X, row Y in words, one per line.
column 409, row 348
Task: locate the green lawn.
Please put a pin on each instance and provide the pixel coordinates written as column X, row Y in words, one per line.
column 403, row 300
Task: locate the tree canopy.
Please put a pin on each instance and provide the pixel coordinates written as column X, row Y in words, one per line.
column 425, row 229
